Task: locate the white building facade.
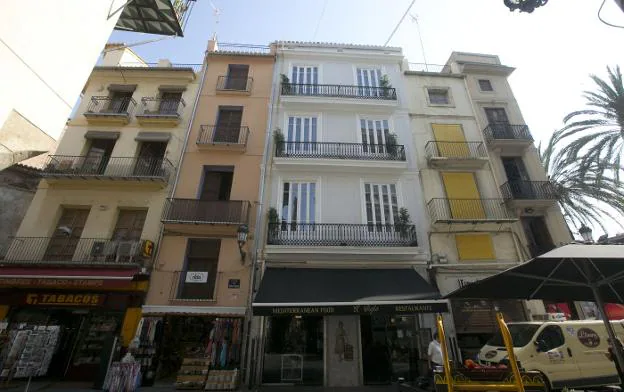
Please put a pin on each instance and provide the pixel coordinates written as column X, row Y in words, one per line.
column 345, row 250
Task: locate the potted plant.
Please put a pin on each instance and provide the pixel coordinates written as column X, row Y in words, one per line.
column 285, row 84
column 392, row 147
column 385, row 85
column 273, row 221
column 278, row 138
column 403, row 222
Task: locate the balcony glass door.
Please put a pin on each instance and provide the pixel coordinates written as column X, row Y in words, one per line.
column 450, row 141
column 305, row 80
column 199, row 277
column 374, row 136
column 499, row 123
column 67, row 233
column 382, row 211
column 302, row 134
column 119, row 101
column 298, row 206
column 518, row 178
column 369, row 80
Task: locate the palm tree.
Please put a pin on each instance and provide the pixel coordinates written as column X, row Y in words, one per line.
column 588, row 193
column 598, row 131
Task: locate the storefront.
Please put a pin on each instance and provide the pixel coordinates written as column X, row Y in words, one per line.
column 66, row 326
column 190, row 347
column 344, row 327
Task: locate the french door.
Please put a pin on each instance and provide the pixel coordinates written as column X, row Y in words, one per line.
column 374, row 135
column 369, row 81
column 304, row 79
column 302, row 135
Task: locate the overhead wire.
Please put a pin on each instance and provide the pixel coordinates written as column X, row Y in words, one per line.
column 399, row 24
column 318, row 23
column 604, row 21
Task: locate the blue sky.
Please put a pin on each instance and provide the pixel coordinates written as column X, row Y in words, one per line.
column 554, row 49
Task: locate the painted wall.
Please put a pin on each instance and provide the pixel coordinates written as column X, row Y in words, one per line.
column 17, row 189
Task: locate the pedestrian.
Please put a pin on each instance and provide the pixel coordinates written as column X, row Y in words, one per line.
column 435, row 356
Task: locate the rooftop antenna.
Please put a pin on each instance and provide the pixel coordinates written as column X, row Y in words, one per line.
column 216, row 12
column 414, row 19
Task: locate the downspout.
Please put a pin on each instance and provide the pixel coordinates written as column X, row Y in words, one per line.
column 259, row 227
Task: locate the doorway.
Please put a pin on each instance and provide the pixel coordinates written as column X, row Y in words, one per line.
column 216, row 188
column 499, row 123
column 120, row 101
column 518, row 178
column 237, row 77
column 228, row 127
column 538, row 237
column 66, row 237
column 98, row 155
column 151, row 156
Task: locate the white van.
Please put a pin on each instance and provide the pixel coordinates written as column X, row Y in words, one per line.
column 568, row 353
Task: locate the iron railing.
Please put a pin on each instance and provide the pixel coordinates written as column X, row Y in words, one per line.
column 340, row 234
column 159, row 107
column 74, row 250
column 242, row 48
column 125, row 65
column 505, row 131
column 339, row 91
column 216, row 134
column 529, row 190
column 455, row 150
column 229, row 83
column 468, row 210
column 110, row 106
column 108, row 167
column 227, row 212
column 181, row 290
column 360, row 151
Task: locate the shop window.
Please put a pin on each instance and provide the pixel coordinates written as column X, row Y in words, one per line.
column 198, row 279
column 472, row 247
column 294, row 350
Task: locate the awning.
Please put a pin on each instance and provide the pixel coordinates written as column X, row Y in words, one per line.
column 102, row 135
column 153, row 137
column 193, row 310
column 345, row 291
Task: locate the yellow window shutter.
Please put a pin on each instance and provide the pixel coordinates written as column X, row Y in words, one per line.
column 463, row 194
column 451, row 141
column 474, row 247
column 130, row 324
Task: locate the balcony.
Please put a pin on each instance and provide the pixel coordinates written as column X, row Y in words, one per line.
column 213, row 137
column 162, row 17
column 160, row 112
column 78, row 251
column 233, row 85
column 471, row 211
column 530, row 194
column 205, row 217
column 339, row 234
column 456, row 155
column 109, row 110
column 355, row 96
column 150, row 171
column 508, row 138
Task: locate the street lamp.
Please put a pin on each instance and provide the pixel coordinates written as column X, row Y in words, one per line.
column 242, row 232
column 524, row 5
column 586, row 233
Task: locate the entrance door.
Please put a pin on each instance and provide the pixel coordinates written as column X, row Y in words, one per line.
column 228, row 125
column 343, row 355
column 68, row 231
column 149, row 162
column 537, row 234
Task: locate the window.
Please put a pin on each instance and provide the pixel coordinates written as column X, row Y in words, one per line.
column 374, row 134
column 169, row 102
column 551, row 337
column 298, row 205
column 485, row 85
column 198, row 279
column 369, row 77
column 98, row 155
column 471, row 247
column 302, row 134
column 67, row 234
column 438, row 96
column 129, row 225
column 150, row 161
column 237, row 77
column 381, row 204
column 228, row 126
column 304, row 79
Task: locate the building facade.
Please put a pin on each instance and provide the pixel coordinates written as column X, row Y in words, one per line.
column 81, row 259
column 201, row 280
column 489, row 200
column 45, row 67
column 343, row 297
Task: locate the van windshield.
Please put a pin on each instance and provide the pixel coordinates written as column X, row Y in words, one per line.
column 521, row 335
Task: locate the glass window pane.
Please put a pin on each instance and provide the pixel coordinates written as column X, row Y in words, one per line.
column 304, row 203
column 312, row 214
column 294, row 202
column 285, row 202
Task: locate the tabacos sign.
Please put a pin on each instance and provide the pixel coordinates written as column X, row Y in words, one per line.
column 64, row 299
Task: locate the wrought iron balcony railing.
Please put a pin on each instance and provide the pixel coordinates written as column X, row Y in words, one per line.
column 340, row 234
column 225, row 212
column 455, row 150
column 159, row 107
column 505, row 131
column 339, row 91
column 70, row 250
column 108, row 167
column 529, row 190
column 217, row 134
column 229, row 83
column 468, row 210
column 110, row 106
column 359, row 151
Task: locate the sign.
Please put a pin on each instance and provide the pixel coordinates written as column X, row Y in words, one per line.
column 588, row 337
column 148, row 248
column 424, row 307
column 66, row 283
column 196, row 277
column 233, row 283
column 78, row 299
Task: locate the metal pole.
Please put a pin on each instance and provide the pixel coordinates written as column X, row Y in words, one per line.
column 513, row 363
column 619, row 356
column 447, row 365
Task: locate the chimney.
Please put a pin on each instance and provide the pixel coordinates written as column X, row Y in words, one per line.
column 212, row 44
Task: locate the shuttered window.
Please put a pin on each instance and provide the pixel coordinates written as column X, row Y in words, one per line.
column 474, row 247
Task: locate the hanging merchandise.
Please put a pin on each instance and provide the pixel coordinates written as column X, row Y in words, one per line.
column 145, row 347
column 29, row 351
column 123, row 377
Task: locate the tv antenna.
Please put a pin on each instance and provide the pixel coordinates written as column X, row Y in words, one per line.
column 414, row 19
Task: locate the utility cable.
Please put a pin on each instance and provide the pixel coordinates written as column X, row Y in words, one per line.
column 398, row 24
column 604, row 21
column 319, row 20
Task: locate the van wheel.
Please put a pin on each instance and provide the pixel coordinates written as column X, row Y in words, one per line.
column 547, row 387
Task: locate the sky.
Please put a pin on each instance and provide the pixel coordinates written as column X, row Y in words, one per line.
column 553, row 49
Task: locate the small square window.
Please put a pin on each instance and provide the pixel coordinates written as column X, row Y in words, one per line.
column 485, row 85
column 438, row 96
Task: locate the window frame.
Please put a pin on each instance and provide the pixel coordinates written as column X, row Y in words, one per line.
column 489, row 81
column 449, row 96
column 380, row 181
column 304, row 179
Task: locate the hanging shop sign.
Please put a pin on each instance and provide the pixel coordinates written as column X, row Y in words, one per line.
column 196, row 277
column 70, row 299
column 423, row 307
column 64, row 283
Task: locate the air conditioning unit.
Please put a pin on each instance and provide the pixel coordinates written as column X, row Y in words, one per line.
column 128, row 250
column 103, row 249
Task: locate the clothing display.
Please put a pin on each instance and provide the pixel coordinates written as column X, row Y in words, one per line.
column 192, row 373
column 145, row 344
column 123, row 377
column 224, row 343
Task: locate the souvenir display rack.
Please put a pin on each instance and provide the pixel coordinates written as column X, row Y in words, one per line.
column 192, row 373
column 93, row 341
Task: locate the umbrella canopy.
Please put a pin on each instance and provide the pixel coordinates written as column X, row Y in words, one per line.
column 568, row 273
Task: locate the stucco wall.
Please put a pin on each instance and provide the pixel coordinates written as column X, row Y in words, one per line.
column 17, row 190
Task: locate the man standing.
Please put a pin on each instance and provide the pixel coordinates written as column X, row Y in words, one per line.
column 435, row 352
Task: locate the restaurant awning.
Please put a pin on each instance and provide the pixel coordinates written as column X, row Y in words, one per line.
column 326, row 291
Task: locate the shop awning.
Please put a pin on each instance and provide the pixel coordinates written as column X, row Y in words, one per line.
column 193, row 310
column 345, row 291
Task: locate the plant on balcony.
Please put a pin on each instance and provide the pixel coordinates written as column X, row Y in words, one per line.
column 278, row 138
column 391, row 145
column 384, row 83
column 403, row 222
column 273, row 221
column 285, row 84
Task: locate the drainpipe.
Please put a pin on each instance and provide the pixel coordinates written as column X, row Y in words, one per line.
column 259, row 229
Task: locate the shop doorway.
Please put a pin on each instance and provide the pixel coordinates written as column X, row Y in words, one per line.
column 390, row 348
